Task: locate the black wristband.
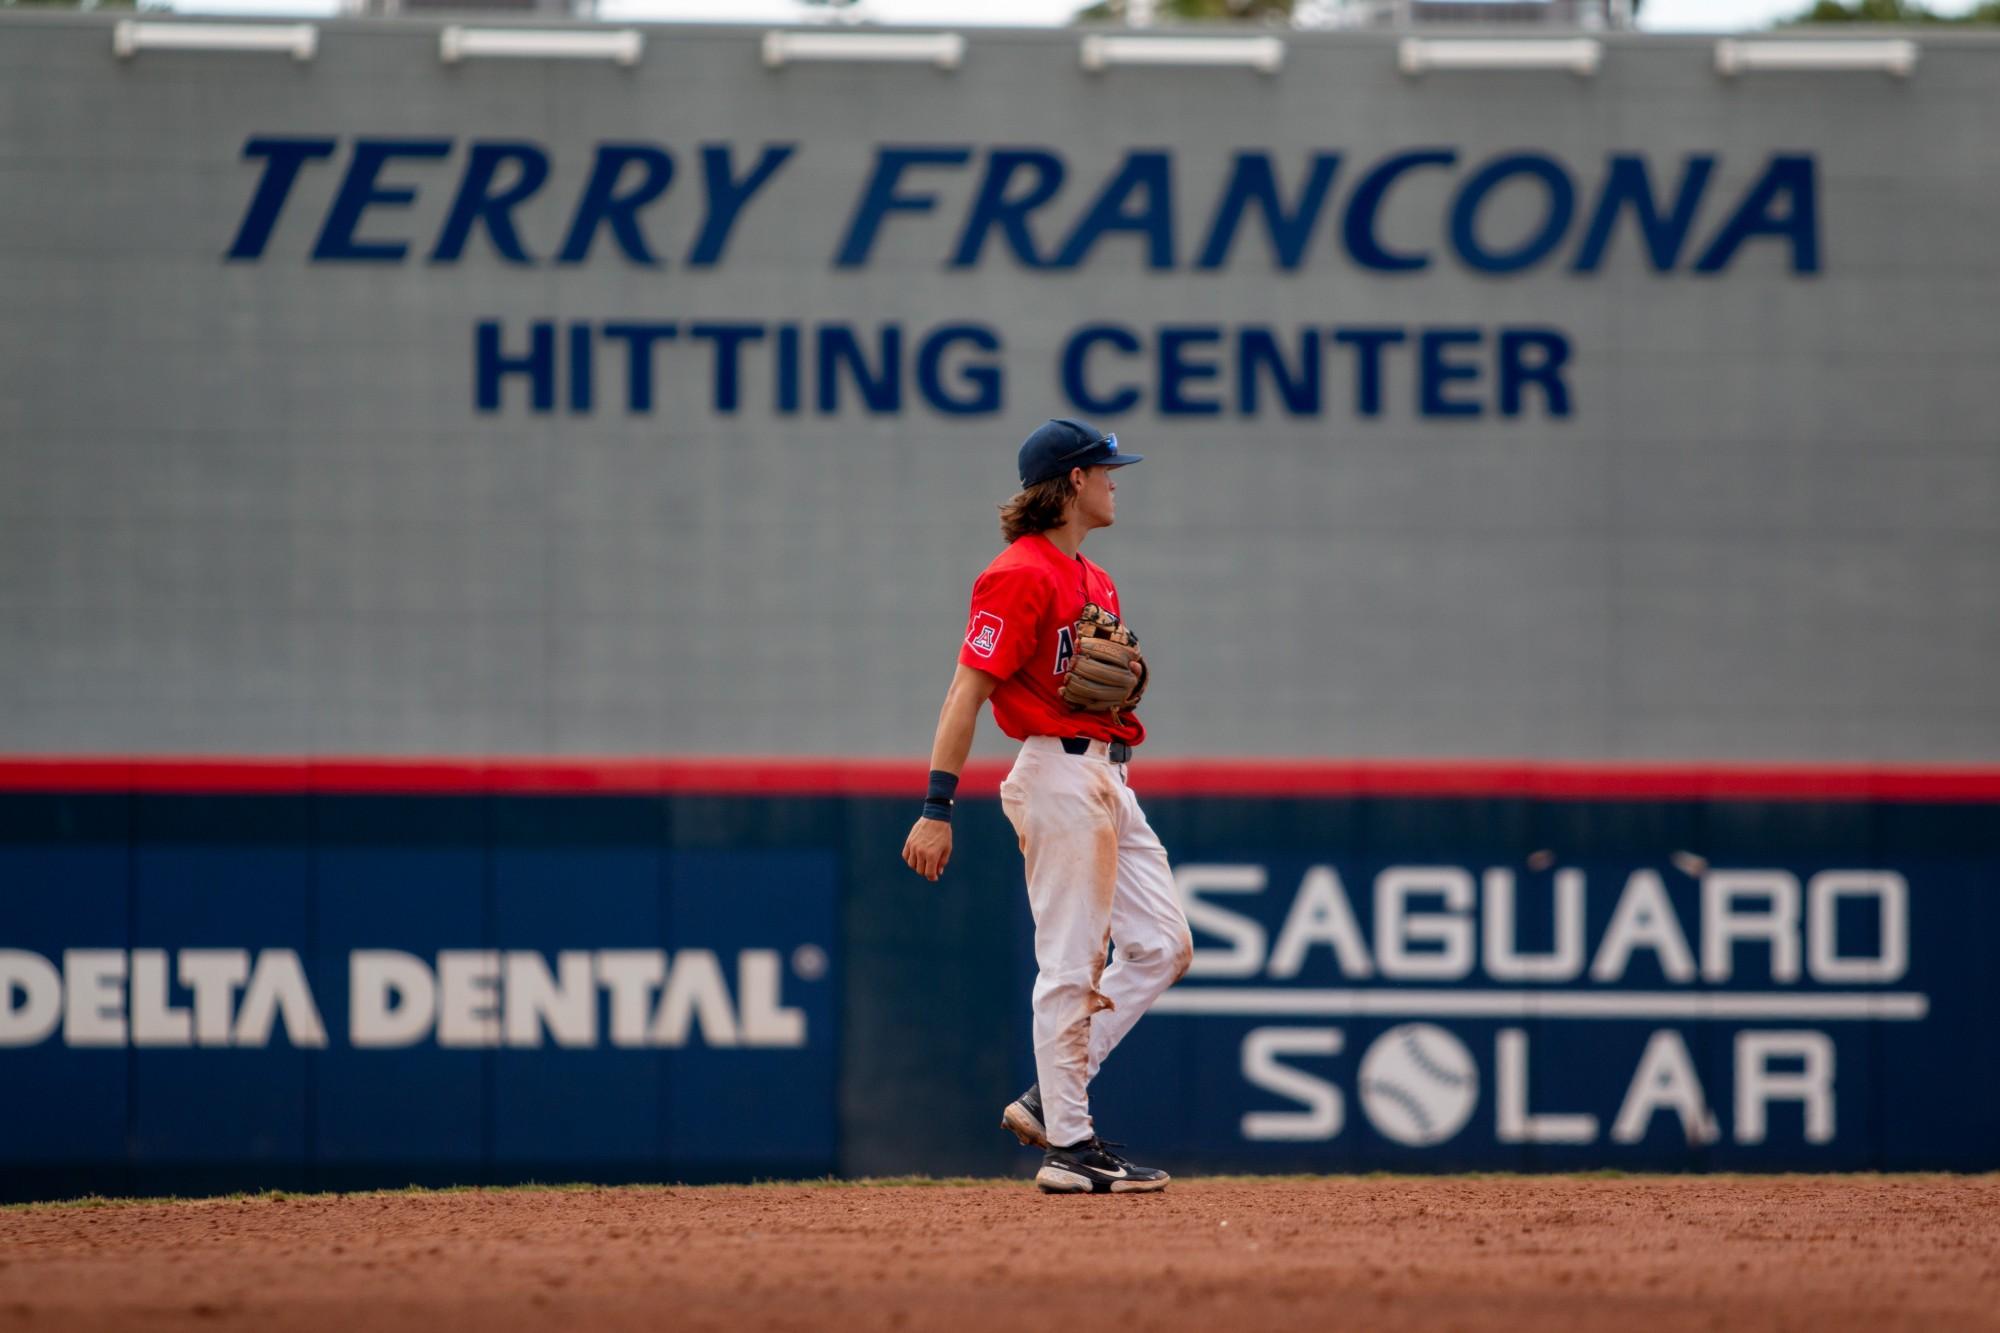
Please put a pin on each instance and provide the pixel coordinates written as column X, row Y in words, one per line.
column 938, row 795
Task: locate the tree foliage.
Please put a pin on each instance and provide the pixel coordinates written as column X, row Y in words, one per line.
column 1891, row 12
column 1194, row 10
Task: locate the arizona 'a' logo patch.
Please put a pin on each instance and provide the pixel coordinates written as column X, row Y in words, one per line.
column 984, row 636
column 1065, row 650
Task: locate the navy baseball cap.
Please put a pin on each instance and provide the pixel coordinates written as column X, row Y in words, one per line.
column 1061, row 444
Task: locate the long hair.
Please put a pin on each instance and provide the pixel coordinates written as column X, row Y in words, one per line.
column 1036, row 509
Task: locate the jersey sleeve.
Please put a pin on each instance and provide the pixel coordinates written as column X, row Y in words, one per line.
column 1007, row 609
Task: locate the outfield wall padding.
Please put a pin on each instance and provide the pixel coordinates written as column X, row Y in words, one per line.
column 684, row 985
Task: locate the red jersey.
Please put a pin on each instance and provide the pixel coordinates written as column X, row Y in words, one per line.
column 1024, row 608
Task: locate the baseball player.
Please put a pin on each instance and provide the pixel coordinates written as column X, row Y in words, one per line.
column 1046, row 644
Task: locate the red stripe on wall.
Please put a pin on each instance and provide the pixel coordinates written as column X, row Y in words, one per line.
column 897, row 777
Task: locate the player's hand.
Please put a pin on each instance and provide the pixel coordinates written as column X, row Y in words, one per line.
column 928, row 848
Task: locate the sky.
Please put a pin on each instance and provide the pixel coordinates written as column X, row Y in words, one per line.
column 1656, row 15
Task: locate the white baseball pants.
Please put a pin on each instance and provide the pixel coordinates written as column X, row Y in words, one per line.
column 1097, row 876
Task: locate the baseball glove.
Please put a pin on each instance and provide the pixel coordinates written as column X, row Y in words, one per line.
column 1106, row 672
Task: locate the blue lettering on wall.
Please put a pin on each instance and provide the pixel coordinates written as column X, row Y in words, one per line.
column 881, row 387
column 1781, row 203
column 1537, row 357
column 1362, row 245
column 1555, row 221
column 1019, row 189
column 884, row 196
column 602, row 203
column 1259, row 350
column 727, row 195
column 1179, row 366
column 1253, row 181
column 786, row 390
column 582, row 375
column 1368, row 345
column 982, row 379
column 492, row 365
column 360, row 191
column 1075, row 369
column 1139, row 199
column 639, row 340
column 1628, row 186
column 282, row 160
column 728, row 339
column 958, row 369
column 479, row 203
column 1454, row 372
column 998, row 204
column 1437, row 372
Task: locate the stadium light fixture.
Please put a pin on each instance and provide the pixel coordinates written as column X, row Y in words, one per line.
column 131, row 36
column 946, row 50
column 621, row 45
column 1265, row 54
column 1896, row 55
column 1578, row 55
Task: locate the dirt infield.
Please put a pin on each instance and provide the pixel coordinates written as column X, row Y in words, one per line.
column 1545, row 1253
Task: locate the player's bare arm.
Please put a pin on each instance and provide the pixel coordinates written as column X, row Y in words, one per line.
column 928, row 847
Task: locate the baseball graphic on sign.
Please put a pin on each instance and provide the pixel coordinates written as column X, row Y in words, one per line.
column 1418, row 1084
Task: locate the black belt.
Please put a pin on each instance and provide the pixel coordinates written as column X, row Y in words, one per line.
column 1118, row 752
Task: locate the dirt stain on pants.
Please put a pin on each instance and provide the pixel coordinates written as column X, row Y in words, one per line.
column 1095, row 873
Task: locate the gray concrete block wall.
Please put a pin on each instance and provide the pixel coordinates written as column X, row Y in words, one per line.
column 251, row 508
